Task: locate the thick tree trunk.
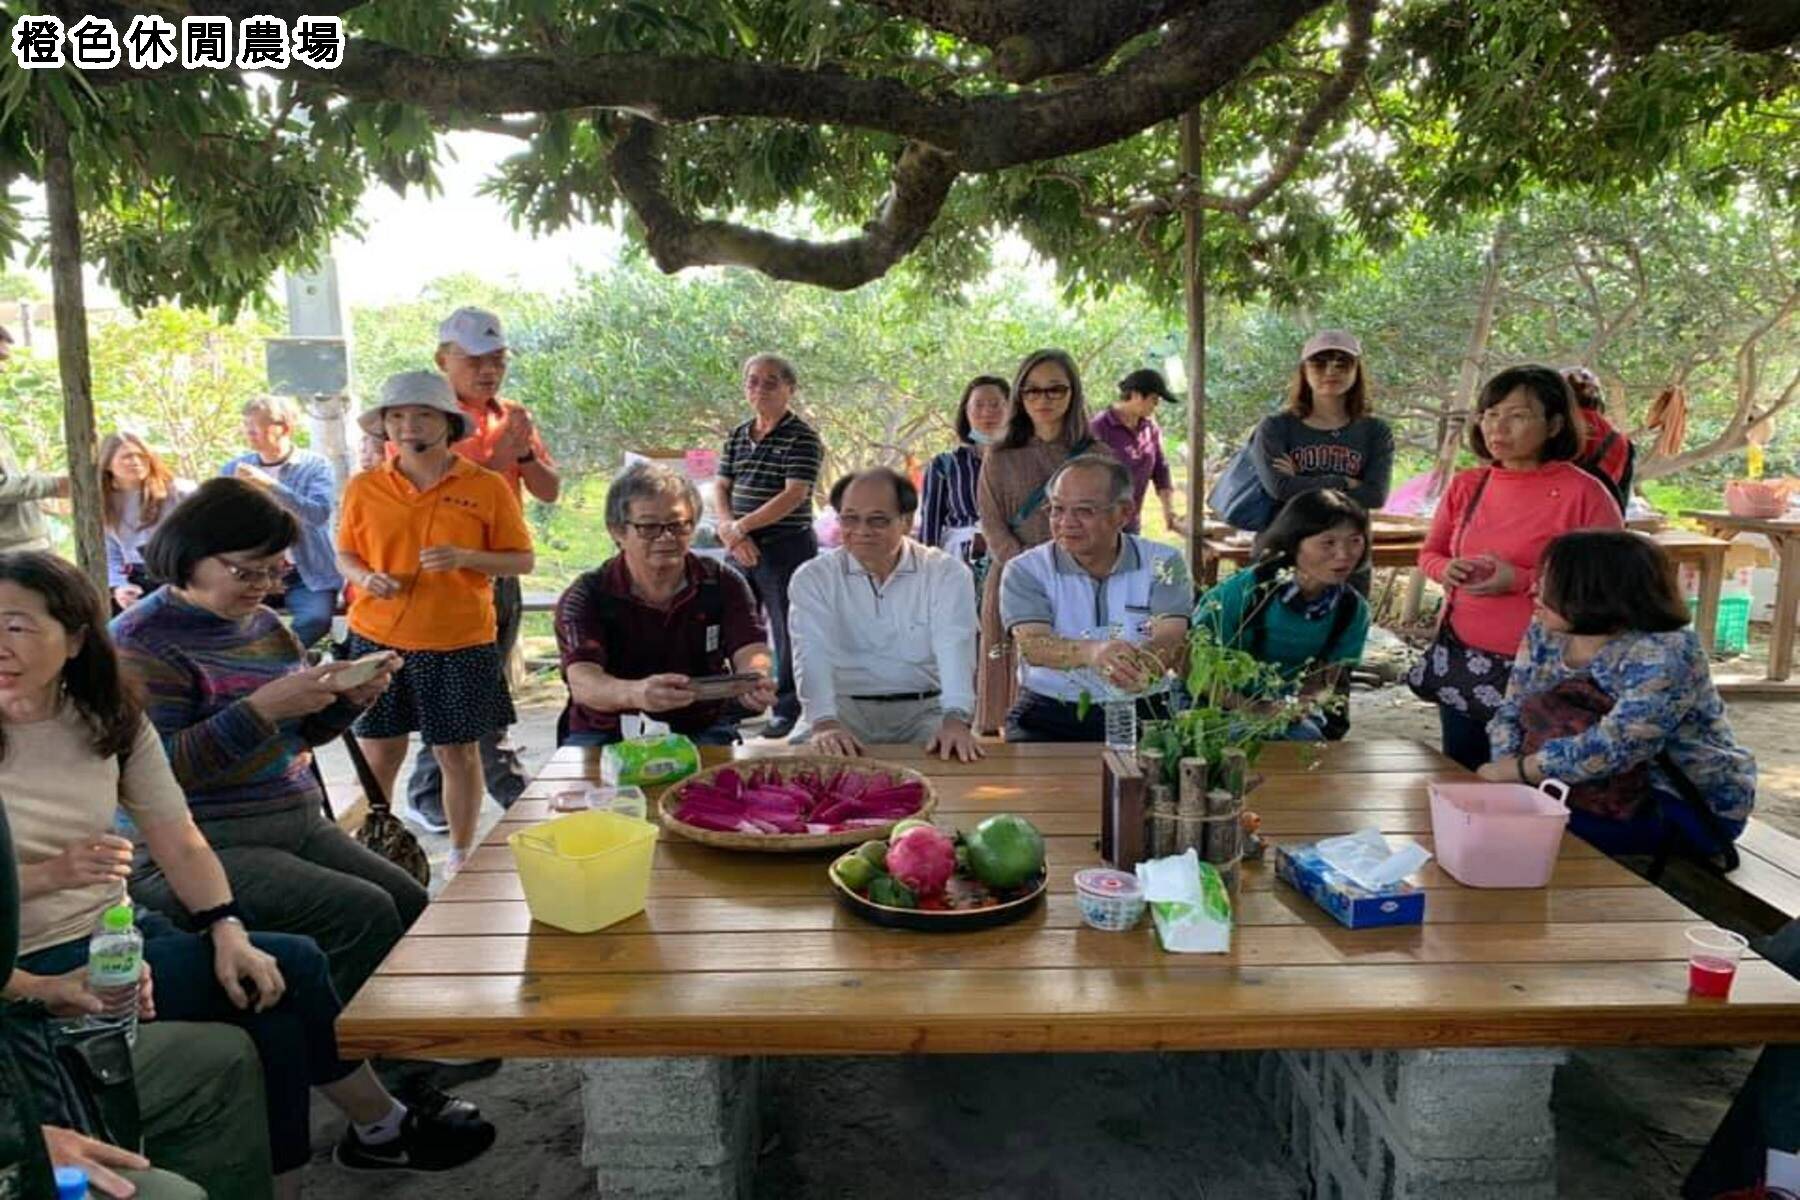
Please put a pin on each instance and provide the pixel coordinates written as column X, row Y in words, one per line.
column 72, row 343
column 1456, row 419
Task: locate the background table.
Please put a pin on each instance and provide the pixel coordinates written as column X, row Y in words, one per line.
column 1784, row 537
column 1707, row 556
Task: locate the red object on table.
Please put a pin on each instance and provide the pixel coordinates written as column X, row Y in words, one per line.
column 1711, row 977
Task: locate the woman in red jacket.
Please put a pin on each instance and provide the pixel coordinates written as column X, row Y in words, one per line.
column 1489, row 531
column 1606, row 451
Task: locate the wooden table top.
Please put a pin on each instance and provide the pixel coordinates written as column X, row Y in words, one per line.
column 1719, row 519
column 1683, row 539
column 750, row 954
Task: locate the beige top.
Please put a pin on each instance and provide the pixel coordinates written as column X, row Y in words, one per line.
column 1008, row 477
column 57, row 791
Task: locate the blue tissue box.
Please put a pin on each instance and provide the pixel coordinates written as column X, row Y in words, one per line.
column 1354, row 906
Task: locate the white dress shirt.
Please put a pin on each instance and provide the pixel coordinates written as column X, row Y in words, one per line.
column 854, row 636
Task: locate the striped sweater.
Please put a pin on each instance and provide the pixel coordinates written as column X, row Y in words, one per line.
column 197, row 670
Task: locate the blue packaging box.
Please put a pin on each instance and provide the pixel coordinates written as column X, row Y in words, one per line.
column 1354, row 906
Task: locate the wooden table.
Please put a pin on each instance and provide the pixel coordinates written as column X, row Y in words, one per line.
column 1784, row 537
column 741, row 955
column 1707, row 555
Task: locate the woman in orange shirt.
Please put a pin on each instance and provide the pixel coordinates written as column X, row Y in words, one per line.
column 421, row 538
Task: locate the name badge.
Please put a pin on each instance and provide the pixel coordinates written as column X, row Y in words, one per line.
column 712, row 639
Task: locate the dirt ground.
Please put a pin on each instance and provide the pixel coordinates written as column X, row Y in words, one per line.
column 1629, row 1122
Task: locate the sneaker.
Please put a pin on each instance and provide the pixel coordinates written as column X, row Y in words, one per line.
column 428, row 815
column 438, row 1133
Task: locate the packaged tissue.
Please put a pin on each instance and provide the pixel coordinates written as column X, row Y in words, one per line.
column 648, row 761
column 1188, row 902
column 1359, row 878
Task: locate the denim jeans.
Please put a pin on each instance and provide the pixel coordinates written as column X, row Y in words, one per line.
column 782, row 555
column 309, row 611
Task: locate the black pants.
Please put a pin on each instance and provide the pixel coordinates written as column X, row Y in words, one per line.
column 1035, row 717
column 506, row 779
column 1465, row 738
column 781, row 555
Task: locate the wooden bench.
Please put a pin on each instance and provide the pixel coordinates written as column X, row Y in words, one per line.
column 1761, row 896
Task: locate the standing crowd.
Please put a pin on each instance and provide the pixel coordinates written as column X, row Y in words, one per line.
column 159, row 742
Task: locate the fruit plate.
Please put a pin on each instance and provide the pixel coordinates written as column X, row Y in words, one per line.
column 785, row 767
column 1013, row 904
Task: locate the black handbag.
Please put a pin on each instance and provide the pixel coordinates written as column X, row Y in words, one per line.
column 81, row 1079
column 1450, row 672
column 25, row 1171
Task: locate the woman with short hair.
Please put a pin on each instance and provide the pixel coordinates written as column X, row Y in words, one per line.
column 1486, row 538
column 227, row 686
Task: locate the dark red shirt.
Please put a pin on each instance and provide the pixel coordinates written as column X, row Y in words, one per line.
column 599, row 620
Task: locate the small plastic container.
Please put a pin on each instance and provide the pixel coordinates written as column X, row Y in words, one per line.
column 1109, row 900
column 585, row 871
column 627, row 800
column 1499, row 835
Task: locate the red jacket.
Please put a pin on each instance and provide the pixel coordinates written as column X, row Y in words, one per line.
column 1615, row 457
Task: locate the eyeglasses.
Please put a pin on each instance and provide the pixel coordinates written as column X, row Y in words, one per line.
column 266, row 576
column 878, row 523
column 651, row 530
column 1055, row 391
column 1080, row 512
column 1332, row 358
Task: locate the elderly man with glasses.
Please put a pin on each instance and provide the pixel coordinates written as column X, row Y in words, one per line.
column 1094, row 599
column 884, row 629
column 658, row 629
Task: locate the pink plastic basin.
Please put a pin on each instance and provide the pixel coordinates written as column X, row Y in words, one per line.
column 1499, row 835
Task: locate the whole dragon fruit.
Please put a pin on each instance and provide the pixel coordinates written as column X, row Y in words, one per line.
column 923, row 858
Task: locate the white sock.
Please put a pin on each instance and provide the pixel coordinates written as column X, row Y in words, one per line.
column 455, row 862
column 1783, row 1170
column 385, row 1130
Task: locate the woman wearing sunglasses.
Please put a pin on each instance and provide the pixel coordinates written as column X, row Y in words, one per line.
column 1324, row 437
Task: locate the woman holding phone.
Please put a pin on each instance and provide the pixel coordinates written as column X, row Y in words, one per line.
column 227, row 686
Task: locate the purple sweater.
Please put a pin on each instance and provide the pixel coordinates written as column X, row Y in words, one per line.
column 197, row 670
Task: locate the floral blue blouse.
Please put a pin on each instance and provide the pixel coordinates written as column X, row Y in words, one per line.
column 1663, row 699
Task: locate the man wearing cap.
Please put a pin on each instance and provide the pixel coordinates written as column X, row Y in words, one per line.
column 21, row 520
column 422, row 539
column 1130, row 429
column 473, row 354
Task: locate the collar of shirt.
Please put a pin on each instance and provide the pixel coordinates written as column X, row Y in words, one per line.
column 1129, row 558
column 397, row 480
column 1316, row 609
column 908, row 564
column 617, row 579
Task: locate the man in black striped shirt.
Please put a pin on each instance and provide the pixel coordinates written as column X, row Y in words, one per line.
column 764, row 488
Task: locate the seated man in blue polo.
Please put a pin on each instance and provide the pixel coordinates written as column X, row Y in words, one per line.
column 637, row 631
column 1092, row 599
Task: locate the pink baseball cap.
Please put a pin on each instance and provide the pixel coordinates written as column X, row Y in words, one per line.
column 1332, row 339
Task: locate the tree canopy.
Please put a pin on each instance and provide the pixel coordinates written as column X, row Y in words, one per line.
column 918, row 129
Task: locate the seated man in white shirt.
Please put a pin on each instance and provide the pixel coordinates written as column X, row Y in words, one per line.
column 884, row 629
column 1093, row 597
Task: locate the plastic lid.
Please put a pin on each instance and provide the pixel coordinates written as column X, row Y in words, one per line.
column 1104, row 881
column 118, row 918
column 71, row 1183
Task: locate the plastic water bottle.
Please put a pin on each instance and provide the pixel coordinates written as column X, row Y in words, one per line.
column 1121, row 725
column 115, row 960
column 71, row 1183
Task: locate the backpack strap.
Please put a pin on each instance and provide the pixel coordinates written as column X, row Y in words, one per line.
column 1725, row 859
column 1035, row 500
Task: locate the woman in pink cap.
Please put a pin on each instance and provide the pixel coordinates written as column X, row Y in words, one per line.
column 1324, row 436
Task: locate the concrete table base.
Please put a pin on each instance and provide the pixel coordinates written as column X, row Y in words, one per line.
column 670, row 1127
column 1416, row 1124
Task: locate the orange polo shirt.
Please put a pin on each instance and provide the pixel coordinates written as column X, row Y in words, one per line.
column 387, row 522
column 485, row 422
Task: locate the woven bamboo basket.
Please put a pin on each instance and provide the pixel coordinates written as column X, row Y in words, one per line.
column 794, row 843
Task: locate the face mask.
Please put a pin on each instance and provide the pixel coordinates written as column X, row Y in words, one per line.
column 981, row 437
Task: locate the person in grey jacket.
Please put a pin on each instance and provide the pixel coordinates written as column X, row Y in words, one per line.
column 1325, row 437
column 21, row 520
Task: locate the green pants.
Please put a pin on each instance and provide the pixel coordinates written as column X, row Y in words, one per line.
column 200, row 1090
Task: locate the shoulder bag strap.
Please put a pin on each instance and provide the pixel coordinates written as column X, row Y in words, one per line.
column 1035, row 500
column 378, row 801
column 1456, row 539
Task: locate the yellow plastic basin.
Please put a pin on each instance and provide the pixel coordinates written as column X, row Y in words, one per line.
column 585, row 871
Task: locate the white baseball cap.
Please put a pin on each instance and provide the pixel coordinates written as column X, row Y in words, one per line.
column 427, row 389
column 1332, row 339
column 476, row 330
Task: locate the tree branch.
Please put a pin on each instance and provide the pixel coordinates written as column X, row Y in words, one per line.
column 1034, row 38
column 1755, row 25
column 921, row 182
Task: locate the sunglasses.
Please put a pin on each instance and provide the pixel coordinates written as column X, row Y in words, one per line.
column 1332, row 358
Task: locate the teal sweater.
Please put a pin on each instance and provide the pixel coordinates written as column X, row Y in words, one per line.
column 1290, row 640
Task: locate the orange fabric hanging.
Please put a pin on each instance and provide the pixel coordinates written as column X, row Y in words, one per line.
column 1669, row 414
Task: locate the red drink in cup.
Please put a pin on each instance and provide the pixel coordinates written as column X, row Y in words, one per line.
column 1713, row 955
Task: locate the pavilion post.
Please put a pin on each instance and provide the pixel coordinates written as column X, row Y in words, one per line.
column 1193, row 222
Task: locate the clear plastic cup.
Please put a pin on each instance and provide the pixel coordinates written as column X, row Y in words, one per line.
column 1713, row 956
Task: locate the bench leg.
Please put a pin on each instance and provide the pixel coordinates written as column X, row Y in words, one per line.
column 670, row 1127
column 1417, row 1124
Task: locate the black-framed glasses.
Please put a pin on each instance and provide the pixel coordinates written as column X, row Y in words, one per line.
column 267, row 576
column 1055, row 391
column 1332, row 358
column 875, row 523
column 651, row 530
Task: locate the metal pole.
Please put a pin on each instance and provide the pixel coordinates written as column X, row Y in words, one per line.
column 1193, row 224
column 70, row 308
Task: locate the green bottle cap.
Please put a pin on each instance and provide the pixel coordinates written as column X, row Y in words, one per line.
column 118, row 918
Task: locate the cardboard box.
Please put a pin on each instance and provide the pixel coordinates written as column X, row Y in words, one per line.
column 1354, row 907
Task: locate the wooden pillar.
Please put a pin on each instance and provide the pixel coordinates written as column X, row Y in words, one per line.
column 70, row 307
column 1193, row 224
